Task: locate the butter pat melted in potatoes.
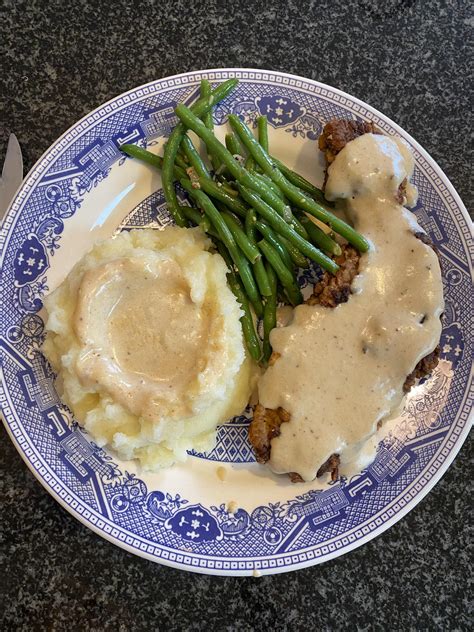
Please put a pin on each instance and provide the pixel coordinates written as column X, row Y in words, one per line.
column 146, row 339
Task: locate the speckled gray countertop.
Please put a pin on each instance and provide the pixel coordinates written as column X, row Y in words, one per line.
column 408, row 58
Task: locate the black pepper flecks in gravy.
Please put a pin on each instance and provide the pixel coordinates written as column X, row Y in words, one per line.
column 342, row 370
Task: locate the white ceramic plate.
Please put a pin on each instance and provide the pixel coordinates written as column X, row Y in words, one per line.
column 82, row 190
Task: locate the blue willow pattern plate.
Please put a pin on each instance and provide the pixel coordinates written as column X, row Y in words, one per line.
column 84, row 189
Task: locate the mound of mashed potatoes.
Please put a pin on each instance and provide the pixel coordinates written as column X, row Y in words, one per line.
column 145, row 337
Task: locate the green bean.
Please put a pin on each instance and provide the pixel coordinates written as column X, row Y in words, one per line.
column 262, row 132
column 269, row 183
column 205, row 92
column 218, row 192
column 269, row 312
column 224, row 253
column 294, row 194
column 208, row 185
column 240, row 173
column 258, row 267
column 288, row 216
column 274, row 197
column 226, row 236
column 272, row 239
column 298, row 259
column 246, row 320
column 262, row 125
column 250, row 221
column 287, row 231
column 167, row 180
column 227, row 186
column 299, row 228
column 249, row 163
column 202, row 106
column 207, row 119
column 181, row 155
column 195, row 160
column 233, row 145
column 261, row 278
column 248, row 327
column 246, row 246
column 146, row 156
column 195, row 216
column 269, row 191
column 319, row 237
column 142, row 154
column 245, row 272
column 282, row 296
column 209, row 123
column 298, row 180
column 282, row 272
column 180, row 162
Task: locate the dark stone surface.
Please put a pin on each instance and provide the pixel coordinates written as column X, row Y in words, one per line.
column 408, row 58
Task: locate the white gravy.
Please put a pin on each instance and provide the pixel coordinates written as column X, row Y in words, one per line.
column 342, row 370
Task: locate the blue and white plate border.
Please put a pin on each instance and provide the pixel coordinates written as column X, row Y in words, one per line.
column 130, row 542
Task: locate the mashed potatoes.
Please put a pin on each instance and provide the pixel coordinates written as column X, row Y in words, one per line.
column 146, row 339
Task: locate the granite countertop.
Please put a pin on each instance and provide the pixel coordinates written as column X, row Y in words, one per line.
column 409, row 59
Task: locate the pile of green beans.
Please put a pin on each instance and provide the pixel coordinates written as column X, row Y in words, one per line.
column 254, row 208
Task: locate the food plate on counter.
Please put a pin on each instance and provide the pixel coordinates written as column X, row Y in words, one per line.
column 219, row 511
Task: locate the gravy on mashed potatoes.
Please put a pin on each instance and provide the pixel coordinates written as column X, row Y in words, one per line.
column 146, row 338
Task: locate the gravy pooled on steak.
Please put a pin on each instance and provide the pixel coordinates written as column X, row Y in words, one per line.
column 340, row 372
